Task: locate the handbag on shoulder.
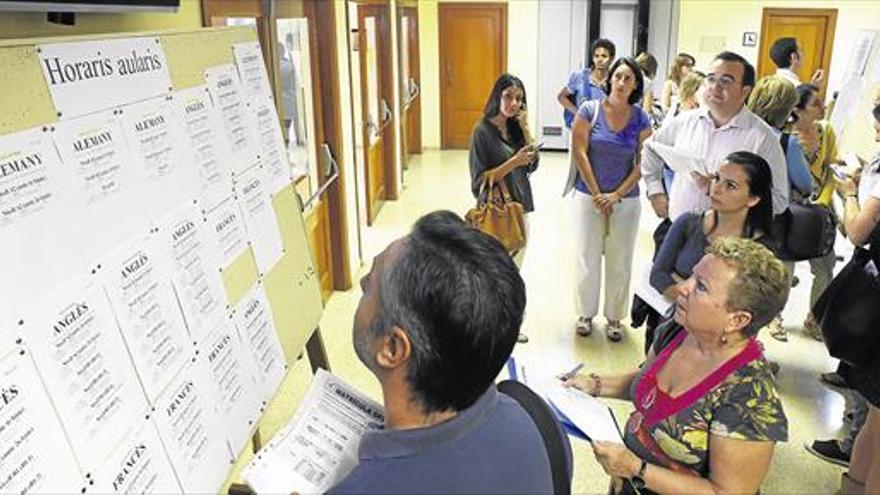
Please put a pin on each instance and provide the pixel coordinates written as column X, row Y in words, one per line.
column 804, row 231
column 848, row 312
column 498, row 215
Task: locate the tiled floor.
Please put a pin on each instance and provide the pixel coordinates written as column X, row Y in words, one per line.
column 439, row 180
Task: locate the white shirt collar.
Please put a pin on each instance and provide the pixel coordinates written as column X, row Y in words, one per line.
column 788, row 74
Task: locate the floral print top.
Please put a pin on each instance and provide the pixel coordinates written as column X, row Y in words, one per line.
column 739, row 400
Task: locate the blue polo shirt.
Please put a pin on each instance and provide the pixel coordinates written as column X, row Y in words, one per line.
column 491, row 447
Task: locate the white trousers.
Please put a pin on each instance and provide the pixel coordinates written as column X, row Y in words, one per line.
column 617, row 244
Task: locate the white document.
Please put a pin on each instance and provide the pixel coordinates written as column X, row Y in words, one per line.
column 225, row 89
column 81, row 356
column 28, row 176
column 193, row 268
column 252, row 70
column 649, row 294
column 273, row 156
column 259, row 218
column 189, row 430
column 680, row 161
column 233, row 376
column 35, row 457
column 254, row 319
column 858, row 60
column 84, row 76
column 319, row 446
column 138, row 466
column 147, row 312
column 95, row 157
column 207, row 145
column 226, row 231
column 848, row 101
column 151, row 129
column 589, row 414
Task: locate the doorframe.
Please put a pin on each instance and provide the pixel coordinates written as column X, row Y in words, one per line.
column 411, row 138
column 326, row 104
column 448, row 8
column 830, row 14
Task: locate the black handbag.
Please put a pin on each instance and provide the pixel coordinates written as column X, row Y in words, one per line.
column 804, row 231
column 848, row 311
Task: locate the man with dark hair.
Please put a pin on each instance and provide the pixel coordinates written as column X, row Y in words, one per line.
column 439, row 316
column 788, row 55
column 712, row 132
column 587, row 84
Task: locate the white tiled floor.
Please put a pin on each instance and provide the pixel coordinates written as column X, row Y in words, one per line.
column 439, row 180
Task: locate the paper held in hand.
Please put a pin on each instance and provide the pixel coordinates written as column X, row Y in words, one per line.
column 589, row 414
column 680, row 161
column 319, row 447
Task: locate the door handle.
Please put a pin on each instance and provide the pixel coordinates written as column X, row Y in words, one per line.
column 386, row 112
column 449, row 74
column 369, row 123
column 331, row 174
column 413, row 88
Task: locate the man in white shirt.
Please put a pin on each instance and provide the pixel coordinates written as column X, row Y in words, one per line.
column 712, row 132
column 788, row 55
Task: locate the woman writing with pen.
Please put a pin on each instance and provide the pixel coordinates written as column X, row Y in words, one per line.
column 705, row 399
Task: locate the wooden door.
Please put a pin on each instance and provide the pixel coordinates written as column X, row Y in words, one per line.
column 814, row 30
column 473, row 53
column 378, row 132
column 410, row 82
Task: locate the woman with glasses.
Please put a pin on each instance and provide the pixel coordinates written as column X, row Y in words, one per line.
column 741, row 206
column 607, row 136
column 707, row 414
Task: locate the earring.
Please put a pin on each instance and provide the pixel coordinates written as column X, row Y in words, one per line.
column 723, row 338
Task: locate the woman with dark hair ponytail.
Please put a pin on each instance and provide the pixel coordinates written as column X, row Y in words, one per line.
column 741, row 206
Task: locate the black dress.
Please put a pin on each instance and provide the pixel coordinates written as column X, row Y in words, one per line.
column 488, row 150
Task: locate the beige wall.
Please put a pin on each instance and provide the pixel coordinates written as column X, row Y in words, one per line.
column 707, row 25
column 34, row 24
column 522, row 58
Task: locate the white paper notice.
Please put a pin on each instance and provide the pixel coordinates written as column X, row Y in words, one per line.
column 35, row 457
column 650, row 295
column 94, row 152
column 232, row 372
column 147, row 313
column 259, row 218
column 81, row 357
column 85, row 76
column 226, row 233
column 29, row 168
column 193, row 269
column 207, row 144
column 589, row 414
column 138, row 466
column 273, row 156
column 252, row 70
column 151, row 128
column 319, row 447
column 226, row 93
column 254, row 319
column 189, row 430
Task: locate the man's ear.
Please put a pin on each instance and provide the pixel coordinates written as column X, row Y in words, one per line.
column 747, row 90
column 395, row 349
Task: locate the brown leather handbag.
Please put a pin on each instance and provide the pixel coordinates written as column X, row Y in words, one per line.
column 498, row 215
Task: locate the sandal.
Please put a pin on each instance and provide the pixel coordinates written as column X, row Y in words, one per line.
column 777, row 331
column 812, row 328
column 522, row 338
column 614, row 331
column 584, row 326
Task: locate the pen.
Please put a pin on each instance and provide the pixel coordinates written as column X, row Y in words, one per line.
column 570, row 374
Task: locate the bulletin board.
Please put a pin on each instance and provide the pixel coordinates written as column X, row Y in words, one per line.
column 156, row 282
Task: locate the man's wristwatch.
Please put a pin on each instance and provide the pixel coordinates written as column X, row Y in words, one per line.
column 638, row 480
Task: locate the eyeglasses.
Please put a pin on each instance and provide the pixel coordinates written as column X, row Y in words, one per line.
column 724, row 81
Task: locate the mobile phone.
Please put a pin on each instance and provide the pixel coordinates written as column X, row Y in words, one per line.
column 539, row 145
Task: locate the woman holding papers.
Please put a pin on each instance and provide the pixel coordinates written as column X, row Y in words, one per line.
column 741, row 206
column 820, row 148
column 707, row 412
column 607, row 137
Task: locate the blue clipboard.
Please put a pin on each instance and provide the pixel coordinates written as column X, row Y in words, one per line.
column 566, row 423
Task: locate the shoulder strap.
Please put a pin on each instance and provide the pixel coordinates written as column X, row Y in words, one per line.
column 783, row 141
column 558, row 450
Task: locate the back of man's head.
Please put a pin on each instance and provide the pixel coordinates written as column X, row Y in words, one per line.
column 781, row 52
column 748, row 69
column 460, row 298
